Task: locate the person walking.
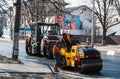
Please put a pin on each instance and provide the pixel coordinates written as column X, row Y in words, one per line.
column 56, row 53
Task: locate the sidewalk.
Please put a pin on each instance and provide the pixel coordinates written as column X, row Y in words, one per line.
column 27, row 67
column 7, row 64
column 27, row 70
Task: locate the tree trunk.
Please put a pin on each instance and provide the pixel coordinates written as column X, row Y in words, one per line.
column 104, row 37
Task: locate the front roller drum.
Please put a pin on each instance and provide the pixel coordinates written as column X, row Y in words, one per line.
column 91, row 66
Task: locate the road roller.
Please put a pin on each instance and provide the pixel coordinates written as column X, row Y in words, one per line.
column 84, row 59
column 43, row 37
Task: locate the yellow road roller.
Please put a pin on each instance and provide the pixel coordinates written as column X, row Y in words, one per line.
column 84, row 59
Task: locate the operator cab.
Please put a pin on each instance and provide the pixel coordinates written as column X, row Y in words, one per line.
column 45, row 29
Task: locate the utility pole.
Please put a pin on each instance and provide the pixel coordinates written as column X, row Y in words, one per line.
column 93, row 25
column 16, row 31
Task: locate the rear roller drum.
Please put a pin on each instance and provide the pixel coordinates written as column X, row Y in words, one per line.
column 89, row 67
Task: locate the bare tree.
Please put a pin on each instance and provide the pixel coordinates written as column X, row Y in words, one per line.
column 38, row 10
column 116, row 3
column 105, row 13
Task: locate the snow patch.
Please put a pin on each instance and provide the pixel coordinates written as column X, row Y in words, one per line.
column 110, row 52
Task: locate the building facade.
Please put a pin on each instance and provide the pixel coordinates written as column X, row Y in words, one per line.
column 86, row 18
column 85, row 14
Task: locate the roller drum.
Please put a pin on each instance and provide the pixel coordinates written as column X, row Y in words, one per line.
column 92, row 65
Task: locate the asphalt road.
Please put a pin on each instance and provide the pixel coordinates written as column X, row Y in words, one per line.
column 111, row 64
